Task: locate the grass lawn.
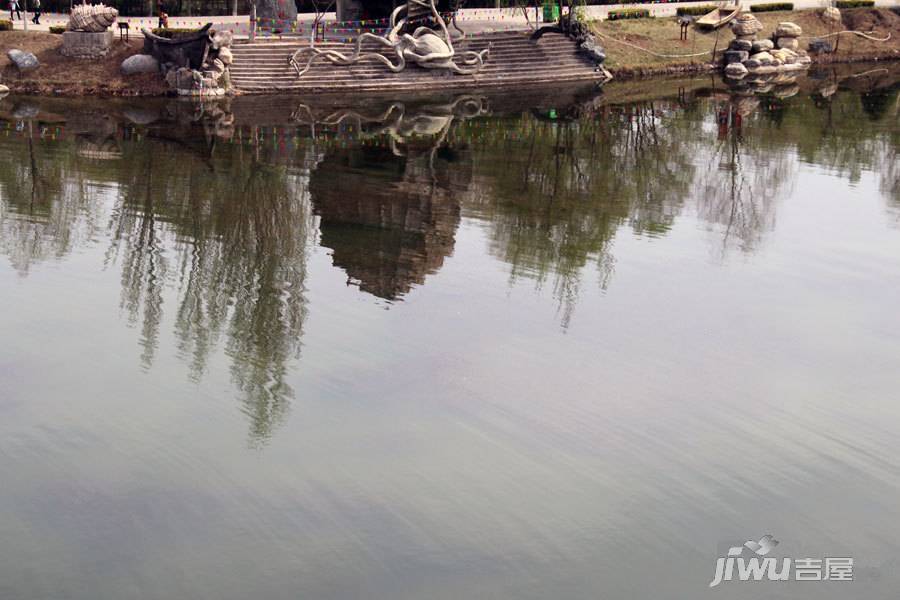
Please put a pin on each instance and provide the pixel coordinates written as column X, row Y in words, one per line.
column 660, row 35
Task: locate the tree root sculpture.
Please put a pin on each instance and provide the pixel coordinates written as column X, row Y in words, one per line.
column 425, row 47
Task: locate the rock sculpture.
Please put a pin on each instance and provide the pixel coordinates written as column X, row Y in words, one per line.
column 426, row 47
column 92, row 18
column 87, row 34
column 195, row 65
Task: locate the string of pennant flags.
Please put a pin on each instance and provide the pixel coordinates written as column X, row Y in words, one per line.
column 270, row 27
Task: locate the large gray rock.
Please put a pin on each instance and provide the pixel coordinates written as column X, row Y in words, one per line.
column 736, row 56
column 832, row 14
column 762, row 46
column 765, row 59
column 752, row 63
column 786, row 91
column 746, row 25
column 140, row 63
column 26, row 110
column 788, row 29
column 736, row 70
column 24, row 61
column 820, row 46
column 140, row 116
column 746, row 105
column 741, row 45
column 787, row 57
column 592, row 51
column 226, row 56
column 790, row 43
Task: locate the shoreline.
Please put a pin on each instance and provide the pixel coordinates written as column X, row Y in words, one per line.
column 632, row 48
column 625, row 73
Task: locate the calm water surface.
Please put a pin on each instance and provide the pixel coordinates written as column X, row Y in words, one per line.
column 522, row 347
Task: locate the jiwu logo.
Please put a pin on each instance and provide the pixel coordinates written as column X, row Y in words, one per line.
column 735, row 566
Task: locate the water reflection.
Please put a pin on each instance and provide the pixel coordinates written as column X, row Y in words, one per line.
column 209, row 212
column 389, row 212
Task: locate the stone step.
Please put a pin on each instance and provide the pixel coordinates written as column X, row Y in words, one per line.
column 410, row 84
column 496, row 59
column 525, row 45
column 311, row 76
column 304, row 81
column 503, row 53
column 533, row 59
column 425, row 78
column 374, row 68
column 514, row 60
column 525, row 52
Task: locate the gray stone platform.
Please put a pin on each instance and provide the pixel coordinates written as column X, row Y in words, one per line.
column 82, row 44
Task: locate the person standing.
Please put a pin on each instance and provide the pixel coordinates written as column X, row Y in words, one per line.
column 14, row 8
column 163, row 16
column 36, row 6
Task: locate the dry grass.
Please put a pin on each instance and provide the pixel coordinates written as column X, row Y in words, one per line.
column 660, row 35
column 62, row 76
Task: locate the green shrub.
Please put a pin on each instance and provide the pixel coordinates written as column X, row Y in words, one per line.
column 173, row 33
column 695, row 11
column 628, row 13
column 5, row 25
column 771, row 7
column 57, row 29
column 855, row 3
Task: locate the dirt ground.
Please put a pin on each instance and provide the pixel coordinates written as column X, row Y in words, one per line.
column 62, row 76
column 660, row 35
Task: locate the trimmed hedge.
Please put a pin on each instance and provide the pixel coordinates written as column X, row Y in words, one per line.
column 772, row 7
column 58, row 29
column 695, row 11
column 628, row 13
column 855, row 3
column 5, row 25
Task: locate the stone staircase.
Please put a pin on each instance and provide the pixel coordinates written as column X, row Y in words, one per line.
column 514, row 61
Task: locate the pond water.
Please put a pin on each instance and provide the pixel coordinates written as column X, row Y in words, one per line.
column 551, row 345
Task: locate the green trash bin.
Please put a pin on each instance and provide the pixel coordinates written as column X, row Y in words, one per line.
column 551, row 12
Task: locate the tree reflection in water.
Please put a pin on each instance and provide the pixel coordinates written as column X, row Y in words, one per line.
column 210, row 223
column 234, row 242
column 558, row 187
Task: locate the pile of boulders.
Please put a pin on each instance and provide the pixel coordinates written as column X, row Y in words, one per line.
column 781, row 84
column 747, row 54
column 24, row 61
